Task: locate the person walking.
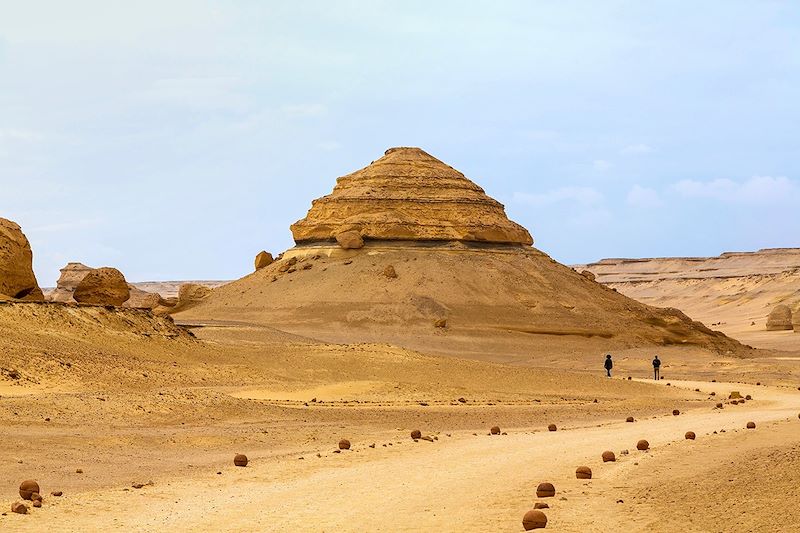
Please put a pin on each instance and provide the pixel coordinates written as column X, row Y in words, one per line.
column 656, row 368
column 609, row 364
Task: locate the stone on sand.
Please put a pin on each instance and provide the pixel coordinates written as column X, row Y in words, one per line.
column 540, row 505
column 675, row 412
column 609, row 457
column 545, row 490
column 534, row 519
column 27, row 488
column 495, row 430
column 37, row 503
column 102, row 286
column 17, row 279
column 751, row 425
column 263, row 259
column 583, row 472
column 344, row 444
column 416, row 434
column 390, row 272
column 240, row 459
column 734, row 395
column 19, row 508
column 552, row 427
column 629, row 419
column 689, row 435
column 780, row 318
column 642, row 445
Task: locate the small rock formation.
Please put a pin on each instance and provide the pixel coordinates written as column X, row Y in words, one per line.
column 780, row 318
column 734, row 395
column 642, row 445
column 37, row 503
column 495, row 430
column 263, row 259
column 609, row 457
column 416, row 434
column 719, row 405
column 545, row 490
column 540, row 505
column 27, row 488
column 689, row 435
column 71, row 275
column 583, row 472
column 17, row 279
column 19, row 508
column 240, row 459
column 36, row 496
column 552, row 427
column 588, row 274
column 350, row 240
column 56, row 493
column 751, row 425
column 102, row 286
column 440, row 323
column 629, row 419
column 534, row 519
column 436, row 203
column 748, row 397
column 344, row 444
column 190, row 294
column 675, row 412
column 389, row 272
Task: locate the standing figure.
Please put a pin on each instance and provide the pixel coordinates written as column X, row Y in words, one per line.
column 656, row 367
column 609, row 364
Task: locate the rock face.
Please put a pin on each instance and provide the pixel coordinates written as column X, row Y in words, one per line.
column 350, row 240
column 263, row 259
column 16, row 264
column 780, row 318
column 190, row 294
column 409, row 195
column 71, row 275
column 102, row 286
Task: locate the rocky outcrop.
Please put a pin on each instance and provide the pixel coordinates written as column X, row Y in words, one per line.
column 263, row 259
column 17, row 279
column 350, row 240
column 102, row 286
column 189, row 295
column 71, row 275
column 780, row 318
column 409, row 195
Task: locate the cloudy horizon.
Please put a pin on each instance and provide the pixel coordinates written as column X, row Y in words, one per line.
column 175, row 140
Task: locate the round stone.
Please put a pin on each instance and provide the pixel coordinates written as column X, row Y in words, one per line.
column 240, row 459
column 642, row 445
column 344, row 444
column 583, row 472
column 690, row 435
column 545, row 490
column 27, row 488
column 609, row 457
column 534, row 519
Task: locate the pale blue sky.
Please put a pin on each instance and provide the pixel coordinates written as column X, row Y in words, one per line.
column 174, row 139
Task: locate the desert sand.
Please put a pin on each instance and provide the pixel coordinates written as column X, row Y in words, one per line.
column 374, row 326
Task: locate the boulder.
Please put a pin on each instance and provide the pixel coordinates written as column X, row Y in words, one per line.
column 588, row 275
column 240, row 459
column 629, row 419
column 609, row 457
column 19, row 508
column 28, row 488
column 642, row 445
column 552, row 427
column 690, row 435
column 416, row 434
column 583, row 472
column 263, row 259
column 545, row 490
column 780, row 318
column 102, row 286
column 495, row 430
column 675, row 412
column 350, row 240
column 534, row 519
column 540, row 505
column 190, row 294
column 751, row 425
column 140, row 299
column 389, row 272
column 344, row 444
column 17, row 279
column 71, row 275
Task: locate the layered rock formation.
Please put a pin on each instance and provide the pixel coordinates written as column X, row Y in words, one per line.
column 102, row 286
column 408, row 195
column 408, row 244
column 17, row 279
column 780, row 318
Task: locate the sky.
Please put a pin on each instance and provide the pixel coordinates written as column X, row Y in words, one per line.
column 175, row 139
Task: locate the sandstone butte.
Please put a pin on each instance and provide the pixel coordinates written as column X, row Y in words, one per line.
column 409, row 195
column 17, row 279
column 436, row 250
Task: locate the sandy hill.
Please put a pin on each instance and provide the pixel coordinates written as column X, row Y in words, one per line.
column 441, row 268
column 734, row 292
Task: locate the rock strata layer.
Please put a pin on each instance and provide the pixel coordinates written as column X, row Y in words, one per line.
column 409, row 195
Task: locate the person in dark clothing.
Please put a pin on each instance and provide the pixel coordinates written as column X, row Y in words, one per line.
column 608, row 365
column 656, row 368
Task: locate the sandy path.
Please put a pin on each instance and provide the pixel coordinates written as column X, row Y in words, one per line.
column 465, row 483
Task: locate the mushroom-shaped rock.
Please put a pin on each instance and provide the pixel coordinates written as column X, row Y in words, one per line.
column 263, row 259
column 495, row 430
column 552, row 427
column 344, row 444
column 780, row 318
column 751, row 425
column 629, row 419
column 545, row 490
column 583, row 472
column 27, row 488
column 609, row 457
column 103, row 286
column 642, row 445
column 19, row 508
column 240, row 459
column 350, row 240
column 416, row 434
column 16, row 264
column 534, row 519
column 675, row 412
column 689, row 435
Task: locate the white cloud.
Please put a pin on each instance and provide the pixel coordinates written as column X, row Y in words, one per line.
column 584, row 196
column 601, row 164
column 304, row 110
column 643, row 197
column 636, row 149
column 758, row 190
